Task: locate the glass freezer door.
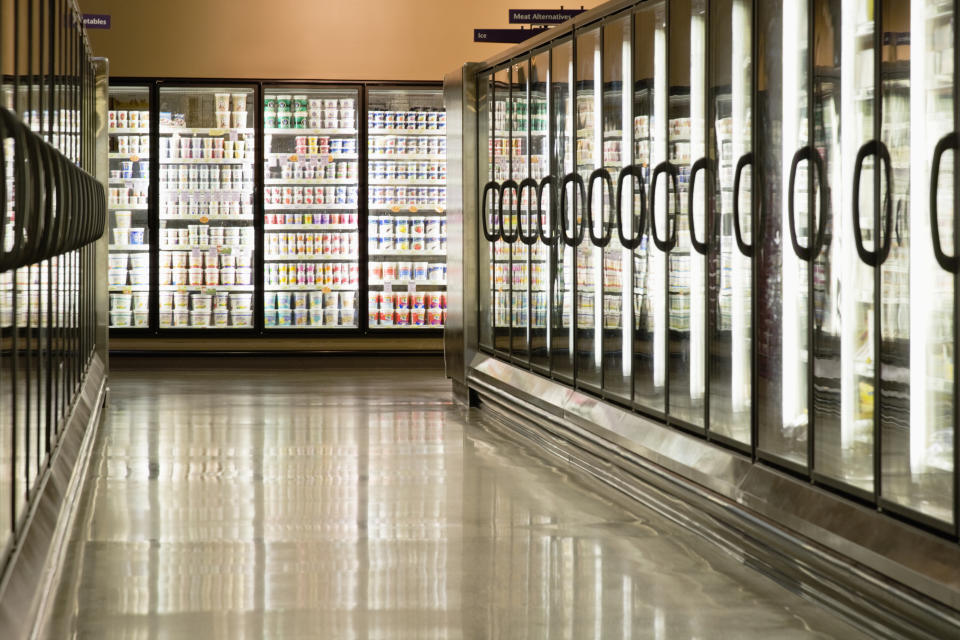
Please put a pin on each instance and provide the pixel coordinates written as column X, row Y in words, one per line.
column 503, row 255
column 562, row 158
column 487, row 206
column 649, row 260
column 406, row 227
column 917, row 291
column 729, row 132
column 589, row 256
column 128, row 277
column 207, row 148
column 617, row 139
column 540, row 251
column 783, row 273
column 515, row 207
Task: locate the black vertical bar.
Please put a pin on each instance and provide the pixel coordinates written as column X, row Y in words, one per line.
column 629, row 86
column 665, row 129
column 509, row 119
column 877, row 240
column 258, row 211
column 491, row 247
column 552, row 259
column 363, row 211
column 528, row 248
column 755, row 222
column 153, row 206
column 811, row 226
column 572, row 332
column 956, row 287
column 598, row 125
column 709, row 203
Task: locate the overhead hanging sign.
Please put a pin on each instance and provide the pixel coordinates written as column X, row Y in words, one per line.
column 542, row 16
column 96, row 21
column 505, row 35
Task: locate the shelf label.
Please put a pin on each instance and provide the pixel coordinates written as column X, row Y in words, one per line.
column 541, row 16
column 217, row 132
column 395, row 209
column 223, row 251
column 210, row 291
column 195, row 252
column 135, row 158
column 325, row 290
column 439, row 209
column 413, row 208
column 388, row 287
column 412, row 288
column 128, row 290
column 204, row 219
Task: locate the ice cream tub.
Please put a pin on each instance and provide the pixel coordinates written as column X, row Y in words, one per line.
column 212, row 276
column 222, row 102
column 123, row 218
column 120, row 301
column 269, row 300
column 434, row 317
column 241, row 301
column 141, row 301
column 166, row 300
column 200, row 318
column 221, row 318
column 331, row 317
column 300, row 317
column 243, row 276
column 166, row 319
column 118, row 260
column 181, row 301
column 119, row 318
column 284, row 317
column 178, row 276
column 181, row 318
column 195, row 277
column 121, row 236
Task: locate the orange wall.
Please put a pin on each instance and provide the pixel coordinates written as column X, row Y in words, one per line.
column 298, row 39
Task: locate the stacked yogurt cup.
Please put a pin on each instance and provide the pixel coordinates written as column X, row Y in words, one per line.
column 202, row 310
column 310, row 308
column 231, row 110
column 300, row 112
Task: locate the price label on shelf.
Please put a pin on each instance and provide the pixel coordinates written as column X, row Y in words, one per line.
column 388, row 287
column 204, row 219
column 135, row 158
column 217, row 132
column 182, row 289
column 439, row 209
column 128, row 290
column 195, row 252
column 223, row 250
column 329, row 159
column 233, row 134
column 325, row 290
column 210, row 291
column 212, row 254
column 413, row 209
column 395, row 209
column 413, row 287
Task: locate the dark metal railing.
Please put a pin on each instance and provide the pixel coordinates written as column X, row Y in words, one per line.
column 51, row 212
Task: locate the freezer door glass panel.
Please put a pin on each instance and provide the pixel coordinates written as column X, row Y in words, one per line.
column 128, row 277
column 503, row 151
column 515, row 204
column 649, row 261
column 539, row 251
column 589, row 268
column 782, row 275
column 917, row 295
column 729, row 141
column 406, row 196
column 687, row 275
column 206, row 180
column 562, row 158
column 486, row 211
column 843, row 283
column 617, row 136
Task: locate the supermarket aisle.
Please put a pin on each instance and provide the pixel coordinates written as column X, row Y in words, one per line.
column 350, row 499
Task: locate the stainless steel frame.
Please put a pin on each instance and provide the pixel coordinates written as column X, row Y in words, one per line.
column 894, row 577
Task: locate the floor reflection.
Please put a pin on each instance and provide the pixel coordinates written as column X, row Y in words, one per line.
column 254, row 503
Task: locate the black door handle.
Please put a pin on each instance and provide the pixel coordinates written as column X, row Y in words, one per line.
column 550, row 239
column 636, row 171
column 951, row 141
column 668, row 243
column 528, row 183
column 510, row 185
column 490, row 236
column 744, row 161
column 574, row 240
column 879, row 254
column 705, row 164
column 811, row 251
column 604, row 238
column 898, row 222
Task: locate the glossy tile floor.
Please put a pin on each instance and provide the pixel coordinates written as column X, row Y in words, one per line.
column 343, row 498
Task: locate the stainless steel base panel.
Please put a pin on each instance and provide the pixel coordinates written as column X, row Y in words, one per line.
column 33, row 572
column 887, row 577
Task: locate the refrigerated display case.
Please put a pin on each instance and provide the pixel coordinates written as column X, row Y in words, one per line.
column 311, row 210
column 128, row 128
column 206, row 238
column 406, row 201
column 783, row 219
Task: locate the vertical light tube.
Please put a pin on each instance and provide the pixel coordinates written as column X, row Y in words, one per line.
column 698, row 113
column 569, row 264
column 793, row 397
column 739, row 265
column 626, row 255
column 844, row 251
column 597, row 252
column 657, row 290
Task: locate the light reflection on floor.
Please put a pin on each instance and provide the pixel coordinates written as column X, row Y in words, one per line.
column 261, row 501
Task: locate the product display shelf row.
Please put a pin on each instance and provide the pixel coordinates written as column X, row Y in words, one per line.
column 128, row 207
column 232, row 190
column 309, row 287
column 310, row 181
column 205, row 161
column 113, row 155
column 125, row 181
column 205, row 218
column 410, row 208
column 310, row 132
column 129, row 247
column 127, row 130
column 415, row 254
column 405, row 183
column 188, row 288
column 382, row 131
column 128, row 288
column 294, row 257
column 408, row 283
column 406, row 327
column 310, row 207
column 312, row 156
column 310, row 227
column 205, row 247
column 210, row 131
column 407, row 156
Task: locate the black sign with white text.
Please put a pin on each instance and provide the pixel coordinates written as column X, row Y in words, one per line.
column 504, row 35
column 542, row 16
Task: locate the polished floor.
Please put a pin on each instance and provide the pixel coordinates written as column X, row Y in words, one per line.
column 334, row 498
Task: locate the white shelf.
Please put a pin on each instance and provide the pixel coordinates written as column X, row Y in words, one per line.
column 314, row 327
column 128, row 207
column 310, row 156
column 407, row 156
column 203, row 287
column 231, row 190
column 125, row 288
column 309, row 227
column 414, row 254
column 310, row 181
column 205, row 161
column 308, row 258
column 382, row 131
column 411, row 208
column 307, row 287
column 407, row 283
column 127, row 180
column 406, row 327
column 214, row 217
column 127, row 156
column 124, row 130
column 204, row 247
column 405, row 183
column 211, row 131
column 309, row 207
column 129, row 247
column 310, row 132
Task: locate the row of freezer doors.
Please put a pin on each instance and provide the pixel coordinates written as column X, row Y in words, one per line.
column 185, row 245
column 728, row 241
